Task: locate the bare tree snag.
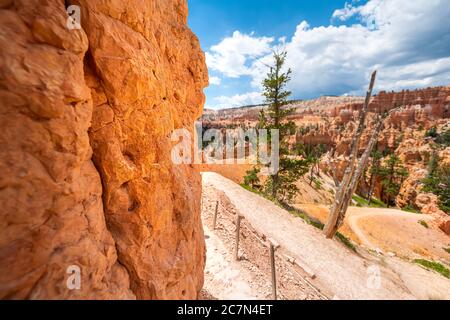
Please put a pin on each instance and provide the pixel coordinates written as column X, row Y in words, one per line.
column 358, row 173
column 331, row 224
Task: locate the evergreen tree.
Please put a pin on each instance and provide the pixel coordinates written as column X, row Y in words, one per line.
column 262, row 123
column 392, row 174
column 374, row 173
column 444, row 139
column 438, row 182
column 316, row 154
column 312, row 154
column 433, row 166
column 432, row 133
column 281, row 185
column 252, row 179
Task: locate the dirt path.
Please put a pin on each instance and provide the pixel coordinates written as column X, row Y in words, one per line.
column 358, row 217
column 391, row 231
column 354, row 226
column 339, row 271
column 225, row 279
column 406, row 234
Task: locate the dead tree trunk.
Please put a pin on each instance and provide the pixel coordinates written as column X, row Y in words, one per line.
column 358, row 174
column 331, row 224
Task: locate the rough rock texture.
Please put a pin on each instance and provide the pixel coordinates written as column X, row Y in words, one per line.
column 428, row 204
column 87, row 178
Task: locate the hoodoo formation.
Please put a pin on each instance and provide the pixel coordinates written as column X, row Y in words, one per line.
column 87, row 178
column 330, row 121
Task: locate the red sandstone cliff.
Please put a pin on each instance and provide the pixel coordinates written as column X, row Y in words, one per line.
column 86, row 176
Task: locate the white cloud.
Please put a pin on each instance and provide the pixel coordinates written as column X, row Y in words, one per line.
column 216, row 81
column 407, row 41
column 421, row 74
column 232, row 54
column 345, row 13
column 249, row 98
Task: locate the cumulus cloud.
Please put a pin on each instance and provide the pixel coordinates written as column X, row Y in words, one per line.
column 215, row 81
column 408, row 42
column 250, row 98
column 346, row 13
column 232, row 55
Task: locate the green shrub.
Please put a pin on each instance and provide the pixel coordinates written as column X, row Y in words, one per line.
column 251, row 179
column 377, row 203
column 360, row 202
column 410, row 208
column 432, row 133
column 436, row 266
column 444, row 139
column 374, row 203
column 423, row 223
column 318, row 184
column 346, row 241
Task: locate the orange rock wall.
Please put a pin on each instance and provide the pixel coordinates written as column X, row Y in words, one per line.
column 87, row 178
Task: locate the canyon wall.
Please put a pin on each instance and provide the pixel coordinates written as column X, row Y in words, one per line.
column 87, row 180
column 331, row 121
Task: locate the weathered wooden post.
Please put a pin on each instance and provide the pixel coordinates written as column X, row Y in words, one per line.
column 215, row 215
column 273, row 247
column 238, row 226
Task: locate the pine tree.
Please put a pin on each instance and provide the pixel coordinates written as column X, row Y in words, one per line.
column 432, row 133
column 374, row 173
column 252, row 179
column 262, row 123
column 392, row 174
column 281, row 185
column 433, row 168
column 438, row 182
column 316, row 154
column 312, row 154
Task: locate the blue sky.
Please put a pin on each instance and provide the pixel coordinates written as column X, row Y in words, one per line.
column 332, row 45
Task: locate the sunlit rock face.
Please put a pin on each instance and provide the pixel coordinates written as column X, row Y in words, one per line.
column 87, row 179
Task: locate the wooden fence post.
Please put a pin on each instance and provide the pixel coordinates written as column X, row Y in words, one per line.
column 273, row 247
column 215, row 215
column 238, row 226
